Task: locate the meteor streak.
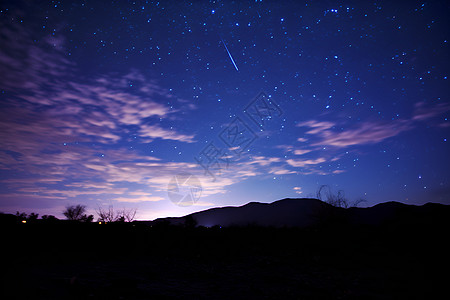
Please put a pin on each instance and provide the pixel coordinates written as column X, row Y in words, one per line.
column 231, row 57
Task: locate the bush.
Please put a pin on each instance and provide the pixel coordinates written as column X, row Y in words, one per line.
column 77, row 213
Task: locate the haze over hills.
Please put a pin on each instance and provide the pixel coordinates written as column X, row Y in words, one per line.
column 305, row 212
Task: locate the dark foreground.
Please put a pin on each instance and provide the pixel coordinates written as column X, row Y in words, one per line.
column 122, row 261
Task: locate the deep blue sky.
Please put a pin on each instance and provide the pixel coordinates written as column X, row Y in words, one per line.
column 104, row 102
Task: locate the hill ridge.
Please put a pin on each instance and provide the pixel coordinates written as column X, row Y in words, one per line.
column 303, row 212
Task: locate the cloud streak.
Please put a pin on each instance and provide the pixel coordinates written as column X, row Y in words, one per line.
column 367, row 132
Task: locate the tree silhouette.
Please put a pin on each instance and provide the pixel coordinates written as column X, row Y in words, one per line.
column 128, row 215
column 110, row 215
column 325, row 194
column 77, row 213
column 21, row 216
column 334, row 212
column 33, row 217
column 86, row 218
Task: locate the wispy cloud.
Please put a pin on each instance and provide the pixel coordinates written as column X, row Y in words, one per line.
column 298, row 190
column 305, row 162
column 316, row 126
column 131, row 199
column 424, row 111
column 365, row 133
column 326, row 140
column 45, row 89
column 154, row 131
column 324, row 133
column 301, row 151
column 281, row 171
column 263, row 161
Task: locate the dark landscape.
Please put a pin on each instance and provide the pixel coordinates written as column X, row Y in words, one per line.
column 389, row 251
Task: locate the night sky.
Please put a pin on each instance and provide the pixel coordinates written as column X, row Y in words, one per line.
column 111, row 102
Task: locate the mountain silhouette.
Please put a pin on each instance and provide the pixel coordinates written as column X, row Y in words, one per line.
column 306, row 212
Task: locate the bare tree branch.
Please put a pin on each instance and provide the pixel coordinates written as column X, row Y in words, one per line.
column 109, row 215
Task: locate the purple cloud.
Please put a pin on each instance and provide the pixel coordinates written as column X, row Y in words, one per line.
column 368, row 132
column 365, row 133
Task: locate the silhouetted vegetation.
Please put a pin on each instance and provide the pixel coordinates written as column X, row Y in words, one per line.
column 334, row 212
column 33, row 217
column 49, row 218
column 325, row 194
column 76, row 260
column 24, row 217
column 110, row 215
column 77, row 213
column 21, row 215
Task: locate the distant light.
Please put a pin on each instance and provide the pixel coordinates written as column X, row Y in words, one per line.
column 213, row 11
column 99, row 222
column 24, row 221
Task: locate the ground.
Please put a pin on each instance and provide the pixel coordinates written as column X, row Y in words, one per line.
column 91, row 261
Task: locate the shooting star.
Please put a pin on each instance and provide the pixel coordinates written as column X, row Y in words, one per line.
column 231, row 57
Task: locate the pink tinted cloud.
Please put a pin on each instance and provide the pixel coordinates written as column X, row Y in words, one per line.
column 316, row 127
column 154, row 131
column 297, row 189
column 369, row 132
column 298, row 163
column 281, row 171
column 301, row 151
column 423, row 112
column 263, row 161
column 365, row 133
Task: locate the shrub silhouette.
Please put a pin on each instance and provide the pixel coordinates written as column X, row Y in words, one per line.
column 77, row 213
column 49, row 219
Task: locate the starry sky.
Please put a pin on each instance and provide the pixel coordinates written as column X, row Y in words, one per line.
column 112, row 102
